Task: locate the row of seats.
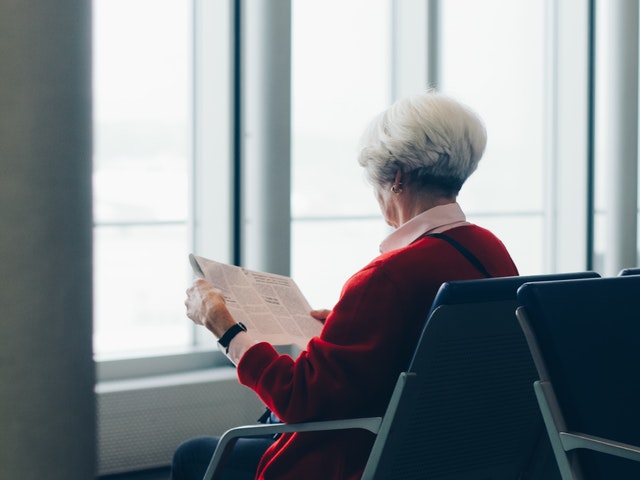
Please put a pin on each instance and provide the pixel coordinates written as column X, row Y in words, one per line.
column 467, row 408
column 585, row 340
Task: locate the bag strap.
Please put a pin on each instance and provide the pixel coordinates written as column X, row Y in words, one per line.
column 463, row 250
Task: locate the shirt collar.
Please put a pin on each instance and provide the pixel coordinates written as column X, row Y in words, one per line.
column 436, row 219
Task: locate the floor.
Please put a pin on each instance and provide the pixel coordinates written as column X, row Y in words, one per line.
column 156, row 474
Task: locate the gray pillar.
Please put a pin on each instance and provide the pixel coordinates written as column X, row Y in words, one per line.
column 621, row 162
column 266, row 80
column 46, row 367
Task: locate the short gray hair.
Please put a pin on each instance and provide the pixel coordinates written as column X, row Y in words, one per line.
column 432, row 137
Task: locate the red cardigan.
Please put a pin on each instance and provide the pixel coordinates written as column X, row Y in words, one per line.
column 351, row 369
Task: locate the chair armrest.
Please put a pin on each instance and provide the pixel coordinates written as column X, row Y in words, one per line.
column 229, row 438
column 573, row 440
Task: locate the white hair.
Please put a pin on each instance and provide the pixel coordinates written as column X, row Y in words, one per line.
column 429, row 136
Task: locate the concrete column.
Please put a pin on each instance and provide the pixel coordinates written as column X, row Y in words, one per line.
column 46, row 367
column 266, row 167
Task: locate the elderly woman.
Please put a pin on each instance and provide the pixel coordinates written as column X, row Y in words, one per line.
column 417, row 154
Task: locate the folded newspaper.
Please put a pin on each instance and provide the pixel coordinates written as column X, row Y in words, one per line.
column 271, row 306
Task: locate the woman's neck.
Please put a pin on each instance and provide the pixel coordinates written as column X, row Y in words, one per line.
column 412, row 206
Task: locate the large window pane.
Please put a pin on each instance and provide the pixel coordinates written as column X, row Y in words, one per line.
column 522, row 234
column 142, row 53
column 492, row 57
column 140, row 279
column 338, row 84
column 328, row 252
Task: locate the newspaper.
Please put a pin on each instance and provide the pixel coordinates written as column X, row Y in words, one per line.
column 271, row 306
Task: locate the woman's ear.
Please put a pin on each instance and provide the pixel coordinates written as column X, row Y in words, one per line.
column 397, row 185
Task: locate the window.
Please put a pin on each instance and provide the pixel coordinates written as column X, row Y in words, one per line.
column 142, row 115
column 338, row 85
column 163, row 124
column 498, row 68
column 165, row 177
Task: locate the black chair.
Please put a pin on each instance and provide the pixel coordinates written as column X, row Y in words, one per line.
column 629, row 271
column 464, row 408
column 584, row 337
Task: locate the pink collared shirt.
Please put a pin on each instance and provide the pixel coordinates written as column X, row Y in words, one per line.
column 435, row 220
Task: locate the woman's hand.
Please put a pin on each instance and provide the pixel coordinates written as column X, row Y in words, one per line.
column 320, row 314
column 206, row 306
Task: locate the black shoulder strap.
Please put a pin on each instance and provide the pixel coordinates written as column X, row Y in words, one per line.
column 463, row 250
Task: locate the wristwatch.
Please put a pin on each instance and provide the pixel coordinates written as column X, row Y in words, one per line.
column 230, row 334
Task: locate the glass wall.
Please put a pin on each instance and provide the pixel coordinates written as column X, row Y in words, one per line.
column 142, row 98
column 492, row 57
column 338, row 85
column 495, row 55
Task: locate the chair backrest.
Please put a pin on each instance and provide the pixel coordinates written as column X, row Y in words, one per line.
column 629, row 271
column 467, row 407
column 585, row 335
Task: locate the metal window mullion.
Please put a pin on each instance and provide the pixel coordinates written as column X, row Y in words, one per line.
column 622, row 136
column 266, row 135
column 567, row 118
column 212, row 205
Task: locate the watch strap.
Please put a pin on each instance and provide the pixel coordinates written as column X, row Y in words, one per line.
column 230, row 334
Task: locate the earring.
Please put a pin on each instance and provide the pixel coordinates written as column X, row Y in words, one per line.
column 397, row 188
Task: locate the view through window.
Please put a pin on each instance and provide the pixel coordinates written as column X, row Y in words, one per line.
column 498, row 68
column 338, row 85
column 142, row 52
